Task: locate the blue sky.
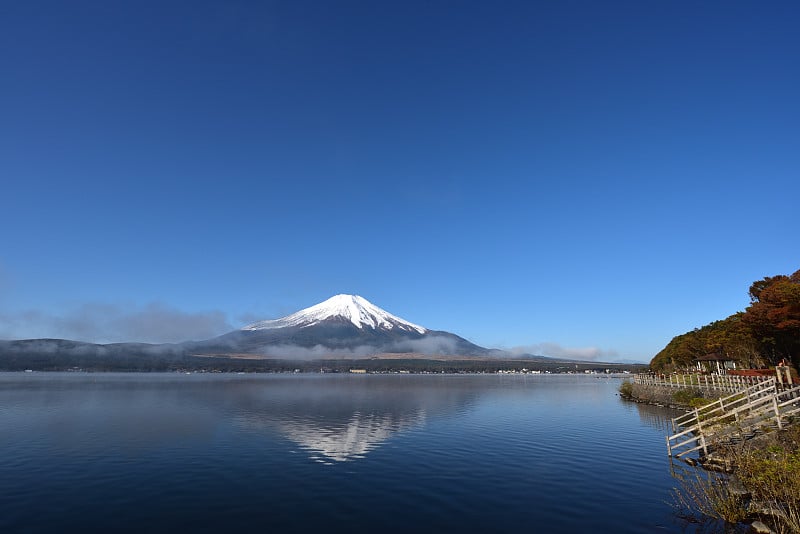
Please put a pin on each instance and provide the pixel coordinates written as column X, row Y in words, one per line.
column 584, row 178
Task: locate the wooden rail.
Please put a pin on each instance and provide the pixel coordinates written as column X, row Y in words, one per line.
column 720, row 383
column 736, row 416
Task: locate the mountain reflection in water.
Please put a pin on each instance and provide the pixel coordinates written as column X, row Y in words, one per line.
column 344, row 418
column 404, row 453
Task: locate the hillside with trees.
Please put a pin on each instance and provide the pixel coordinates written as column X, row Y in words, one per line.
column 762, row 335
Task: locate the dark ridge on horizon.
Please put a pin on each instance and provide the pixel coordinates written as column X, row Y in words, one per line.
column 344, row 327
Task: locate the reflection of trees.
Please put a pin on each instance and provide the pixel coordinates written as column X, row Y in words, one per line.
column 656, row 417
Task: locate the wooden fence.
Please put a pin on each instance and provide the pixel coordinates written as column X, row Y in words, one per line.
column 719, row 383
column 735, row 417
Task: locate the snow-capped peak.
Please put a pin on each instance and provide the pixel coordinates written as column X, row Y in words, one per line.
column 357, row 310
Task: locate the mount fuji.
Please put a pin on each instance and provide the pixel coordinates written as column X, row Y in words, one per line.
column 344, row 328
column 343, row 325
column 341, row 308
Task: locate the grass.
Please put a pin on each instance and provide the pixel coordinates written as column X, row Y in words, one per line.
column 706, row 496
column 768, row 471
column 690, row 397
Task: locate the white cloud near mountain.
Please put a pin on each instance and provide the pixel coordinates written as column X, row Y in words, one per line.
column 110, row 323
column 430, row 345
column 554, row 350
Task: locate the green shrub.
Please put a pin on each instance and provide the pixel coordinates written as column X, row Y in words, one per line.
column 772, row 474
column 685, row 396
column 690, row 397
column 626, row 389
column 697, row 402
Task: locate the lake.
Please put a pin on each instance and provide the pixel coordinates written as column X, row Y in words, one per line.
column 304, row 453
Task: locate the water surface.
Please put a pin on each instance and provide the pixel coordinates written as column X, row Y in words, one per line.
column 303, row 453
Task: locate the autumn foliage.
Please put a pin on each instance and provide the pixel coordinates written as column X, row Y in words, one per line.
column 765, row 333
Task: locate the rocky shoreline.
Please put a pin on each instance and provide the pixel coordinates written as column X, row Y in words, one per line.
column 663, row 396
column 761, row 515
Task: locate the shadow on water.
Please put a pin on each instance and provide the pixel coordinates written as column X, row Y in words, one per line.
column 657, row 417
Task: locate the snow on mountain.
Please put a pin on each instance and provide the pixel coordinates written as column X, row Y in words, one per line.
column 350, row 308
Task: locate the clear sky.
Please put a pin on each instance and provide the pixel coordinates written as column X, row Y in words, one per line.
column 578, row 178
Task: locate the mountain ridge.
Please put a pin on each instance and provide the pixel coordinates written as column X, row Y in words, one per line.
column 343, row 327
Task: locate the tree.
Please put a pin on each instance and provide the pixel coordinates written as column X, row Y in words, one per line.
column 766, row 332
column 774, row 316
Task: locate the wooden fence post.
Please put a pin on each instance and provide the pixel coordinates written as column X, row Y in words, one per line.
column 777, row 412
column 748, row 398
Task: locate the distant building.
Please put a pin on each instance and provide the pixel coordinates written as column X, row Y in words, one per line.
column 359, row 371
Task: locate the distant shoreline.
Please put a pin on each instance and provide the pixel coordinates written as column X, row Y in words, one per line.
column 253, row 364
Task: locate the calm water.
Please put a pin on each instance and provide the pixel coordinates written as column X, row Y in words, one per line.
column 300, row 453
